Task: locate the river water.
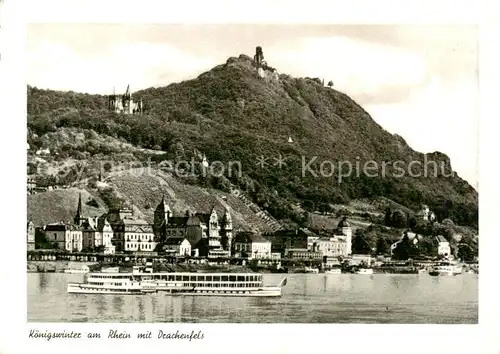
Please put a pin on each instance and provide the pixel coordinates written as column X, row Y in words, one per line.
column 307, row 298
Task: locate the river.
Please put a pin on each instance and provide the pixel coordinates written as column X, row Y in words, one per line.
column 307, row 298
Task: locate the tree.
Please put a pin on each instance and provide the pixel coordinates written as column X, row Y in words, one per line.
column 330, row 84
column 411, row 222
column 427, row 247
column 361, row 245
column 382, row 247
column 398, row 219
column 387, row 217
column 404, row 249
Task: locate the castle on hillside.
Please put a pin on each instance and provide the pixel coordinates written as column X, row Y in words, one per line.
column 124, row 103
column 262, row 67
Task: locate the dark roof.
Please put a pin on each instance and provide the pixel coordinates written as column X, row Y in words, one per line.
column 128, row 221
column 441, row 239
column 248, row 236
column 55, row 227
column 205, row 218
column 178, row 221
column 175, row 240
column 62, row 227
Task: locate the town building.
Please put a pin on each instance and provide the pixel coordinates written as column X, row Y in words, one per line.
column 252, row 246
column 302, row 254
column 443, row 246
column 208, row 233
column 138, row 235
column 64, row 236
column 97, row 233
column 329, row 243
column 180, row 247
column 331, row 246
column 30, row 236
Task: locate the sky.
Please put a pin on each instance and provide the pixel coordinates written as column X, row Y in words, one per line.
column 417, row 81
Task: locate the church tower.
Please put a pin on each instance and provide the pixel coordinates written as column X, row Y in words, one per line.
column 213, row 230
column 160, row 220
column 78, row 219
column 345, row 227
column 227, row 231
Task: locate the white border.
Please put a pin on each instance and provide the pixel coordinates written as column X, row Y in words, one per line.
column 14, row 14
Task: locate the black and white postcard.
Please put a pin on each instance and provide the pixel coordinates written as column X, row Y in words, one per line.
column 301, row 178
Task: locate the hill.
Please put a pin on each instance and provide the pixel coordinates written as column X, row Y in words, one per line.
column 143, row 192
column 235, row 113
column 60, row 205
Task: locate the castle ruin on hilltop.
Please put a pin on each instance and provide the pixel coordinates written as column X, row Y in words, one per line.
column 261, row 65
column 124, row 103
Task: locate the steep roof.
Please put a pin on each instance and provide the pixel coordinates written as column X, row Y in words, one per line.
column 175, row 240
column 250, row 237
column 441, row 239
column 179, row 221
column 56, row 227
column 128, row 221
column 205, row 218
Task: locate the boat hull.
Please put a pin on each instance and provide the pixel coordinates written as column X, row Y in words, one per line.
column 263, row 292
column 79, row 289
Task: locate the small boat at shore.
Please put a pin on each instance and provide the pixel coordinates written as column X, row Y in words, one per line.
column 311, row 270
column 79, row 269
column 364, row 271
column 200, row 284
column 333, row 271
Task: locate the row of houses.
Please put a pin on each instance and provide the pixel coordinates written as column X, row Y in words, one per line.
column 193, row 234
column 200, row 234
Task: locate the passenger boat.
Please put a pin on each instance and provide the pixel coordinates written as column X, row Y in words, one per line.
column 311, row 270
column 364, row 271
column 202, row 284
column 77, row 269
column 108, row 283
column 333, row 271
column 446, row 268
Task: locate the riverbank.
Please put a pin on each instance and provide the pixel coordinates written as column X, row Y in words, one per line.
column 56, row 266
column 60, row 266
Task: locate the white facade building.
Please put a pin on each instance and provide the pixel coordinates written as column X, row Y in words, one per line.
column 252, row 246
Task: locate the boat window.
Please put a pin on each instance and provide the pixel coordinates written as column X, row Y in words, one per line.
column 241, row 278
column 224, row 278
column 209, row 278
column 232, row 278
column 216, row 278
column 170, row 278
column 178, row 278
column 201, row 278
